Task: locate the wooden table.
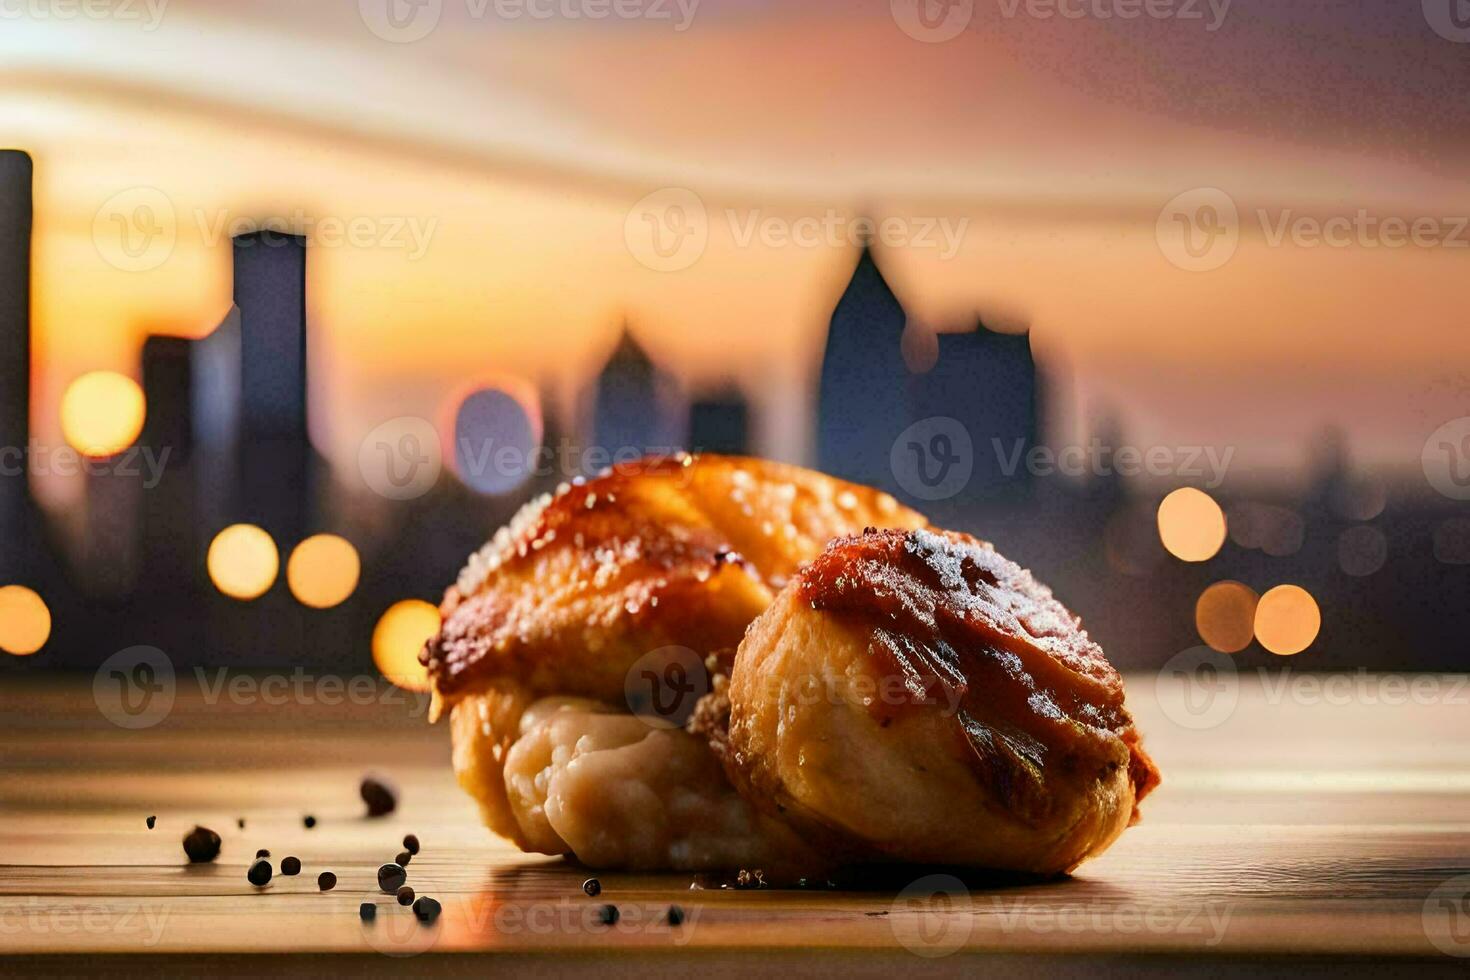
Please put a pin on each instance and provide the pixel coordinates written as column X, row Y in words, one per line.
column 1306, row 829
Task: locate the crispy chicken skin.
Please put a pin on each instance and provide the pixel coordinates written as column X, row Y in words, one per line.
column 914, row 696
column 683, row 551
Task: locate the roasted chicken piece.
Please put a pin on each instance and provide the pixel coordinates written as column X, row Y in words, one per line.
column 913, row 696
column 678, row 555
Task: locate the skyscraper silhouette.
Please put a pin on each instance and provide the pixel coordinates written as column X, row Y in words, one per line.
column 634, row 403
column 15, row 359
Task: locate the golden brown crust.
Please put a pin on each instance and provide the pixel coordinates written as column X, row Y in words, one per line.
column 913, row 696
column 681, row 551
column 957, row 622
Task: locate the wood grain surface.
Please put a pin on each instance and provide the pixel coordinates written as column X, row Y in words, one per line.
column 1300, row 825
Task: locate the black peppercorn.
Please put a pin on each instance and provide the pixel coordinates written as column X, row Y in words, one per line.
column 608, row 915
column 676, row 915
column 379, row 795
column 367, row 911
column 405, row 895
column 290, row 866
column 309, row 822
column 592, row 887
column 259, row 874
column 426, row 910
column 151, row 822
column 326, row 881
column 391, row 878
column 411, row 843
column 202, row 845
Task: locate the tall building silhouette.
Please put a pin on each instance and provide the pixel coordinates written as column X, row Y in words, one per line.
column 720, row 423
column 15, row 359
column 987, row 381
column 634, row 403
column 861, row 399
column 869, row 395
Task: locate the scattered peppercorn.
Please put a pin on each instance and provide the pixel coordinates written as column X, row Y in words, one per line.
column 309, row 822
column 592, row 887
column 608, row 915
column 403, row 858
column 391, row 878
column 259, row 873
column 290, row 866
column 240, row 822
column 202, row 845
column 426, row 910
column 367, row 911
column 676, row 915
column 262, row 853
column 379, row 795
column 151, row 822
column 326, row 881
column 411, row 843
column 405, row 895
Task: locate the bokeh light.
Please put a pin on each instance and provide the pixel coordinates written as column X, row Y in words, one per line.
column 497, row 430
column 102, row 413
column 399, row 637
column 1191, row 525
column 323, row 571
column 25, row 622
column 243, row 562
column 1361, row 550
column 1287, row 620
column 1225, row 616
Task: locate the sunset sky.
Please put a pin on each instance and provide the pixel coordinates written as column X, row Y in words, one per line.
column 498, row 173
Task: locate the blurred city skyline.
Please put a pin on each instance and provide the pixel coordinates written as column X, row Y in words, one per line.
column 487, row 219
